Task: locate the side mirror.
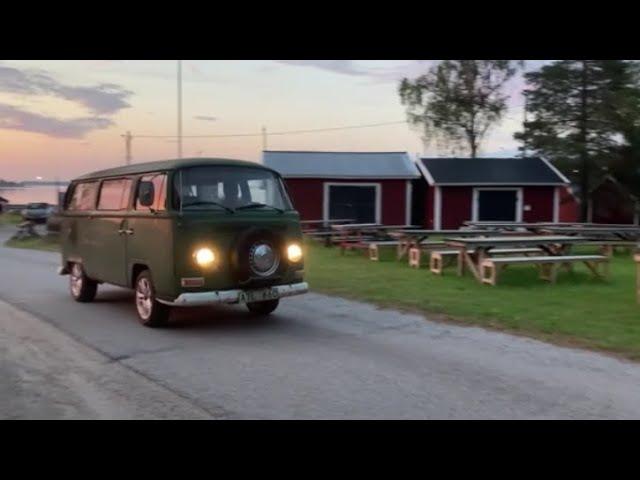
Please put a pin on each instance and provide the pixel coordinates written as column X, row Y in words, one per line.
column 146, row 194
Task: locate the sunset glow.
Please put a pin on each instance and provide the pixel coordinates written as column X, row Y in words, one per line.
column 59, row 119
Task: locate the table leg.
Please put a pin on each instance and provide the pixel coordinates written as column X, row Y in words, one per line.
column 403, row 248
column 461, row 261
column 472, row 266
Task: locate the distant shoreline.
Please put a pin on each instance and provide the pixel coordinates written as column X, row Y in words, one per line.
column 33, row 184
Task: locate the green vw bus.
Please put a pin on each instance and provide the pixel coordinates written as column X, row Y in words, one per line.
column 183, row 233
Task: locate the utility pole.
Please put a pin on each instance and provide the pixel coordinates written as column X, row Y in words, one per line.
column 127, row 146
column 264, row 138
column 179, row 108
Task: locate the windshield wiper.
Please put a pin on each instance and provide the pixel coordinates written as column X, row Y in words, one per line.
column 258, row 205
column 209, row 202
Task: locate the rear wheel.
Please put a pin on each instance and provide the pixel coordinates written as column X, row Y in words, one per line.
column 82, row 288
column 263, row 308
column 151, row 313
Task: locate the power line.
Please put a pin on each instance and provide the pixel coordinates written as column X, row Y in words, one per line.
column 290, row 132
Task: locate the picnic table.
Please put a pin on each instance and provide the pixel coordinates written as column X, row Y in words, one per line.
column 320, row 229
column 600, row 230
column 317, row 224
column 498, row 225
column 474, row 250
column 615, row 233
column 413, row 238
column 361, row 235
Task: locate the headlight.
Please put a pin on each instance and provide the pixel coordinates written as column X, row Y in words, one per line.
column 294, row 252
column 204, row 257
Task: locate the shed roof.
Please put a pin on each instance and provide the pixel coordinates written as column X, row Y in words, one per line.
column 379, row 165
column 491, row 171
column 169, row 165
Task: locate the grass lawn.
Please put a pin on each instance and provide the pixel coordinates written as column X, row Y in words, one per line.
column 578, row 310
column 46, row 242
column 10, row 218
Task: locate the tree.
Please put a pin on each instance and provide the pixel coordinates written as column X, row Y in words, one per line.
column 457, row 101
column 580, row 114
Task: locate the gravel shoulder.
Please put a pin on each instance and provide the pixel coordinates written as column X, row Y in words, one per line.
column 45, row 374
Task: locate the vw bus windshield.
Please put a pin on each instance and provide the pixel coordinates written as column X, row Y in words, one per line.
column 230, row 188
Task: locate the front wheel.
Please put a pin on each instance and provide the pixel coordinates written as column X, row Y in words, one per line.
column 82, row 288
column 263, row 308
column 151, row 313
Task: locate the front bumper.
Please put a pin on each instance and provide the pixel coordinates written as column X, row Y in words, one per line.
column 237, row 296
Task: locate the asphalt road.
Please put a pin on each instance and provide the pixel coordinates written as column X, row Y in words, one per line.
column 320, row 357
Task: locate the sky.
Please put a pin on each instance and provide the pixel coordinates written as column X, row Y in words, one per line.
column 61, row 119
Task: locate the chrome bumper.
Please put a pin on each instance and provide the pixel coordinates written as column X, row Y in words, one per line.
column 235, row 296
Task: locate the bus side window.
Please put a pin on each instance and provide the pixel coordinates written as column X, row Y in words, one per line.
column 114, row 194
column 160, row 192
column 84, row 196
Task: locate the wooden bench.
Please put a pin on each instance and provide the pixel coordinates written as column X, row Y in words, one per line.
column 436, row 263
column 355, row 242
column 607, row 247
column 374, row 251
column 548, row 265
column 415, row 253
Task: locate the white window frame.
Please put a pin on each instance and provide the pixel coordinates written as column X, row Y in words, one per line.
column 437, row 208
column 407, row 202
column 327, row 189
column 476, row 198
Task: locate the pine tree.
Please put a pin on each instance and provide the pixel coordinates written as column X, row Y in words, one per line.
column 578, row 112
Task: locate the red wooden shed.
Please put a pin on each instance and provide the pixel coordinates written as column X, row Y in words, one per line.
column 519, row 189
column 367, row 187
column 612, row 202
column 569, row 205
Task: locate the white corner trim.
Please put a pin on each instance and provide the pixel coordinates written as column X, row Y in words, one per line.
column 475, row 198
column 437, row 208
column 554, row 168
column 327, row 190
column 425, row 173
column 407, row 202
column 556, row 204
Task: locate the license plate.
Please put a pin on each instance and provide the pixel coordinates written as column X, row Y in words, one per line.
column 257, row 295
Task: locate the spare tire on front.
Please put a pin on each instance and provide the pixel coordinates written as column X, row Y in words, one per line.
column 259, row 255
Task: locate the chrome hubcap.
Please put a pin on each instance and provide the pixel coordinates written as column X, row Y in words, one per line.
column 144, row 300
column 75, row 280
column 264, row 260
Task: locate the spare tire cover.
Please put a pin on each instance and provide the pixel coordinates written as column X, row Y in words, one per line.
column 258, row 254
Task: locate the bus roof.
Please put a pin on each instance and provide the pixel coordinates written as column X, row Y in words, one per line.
column 173, row 164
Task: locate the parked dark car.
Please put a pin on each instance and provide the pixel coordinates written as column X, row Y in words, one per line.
column 37, row 212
